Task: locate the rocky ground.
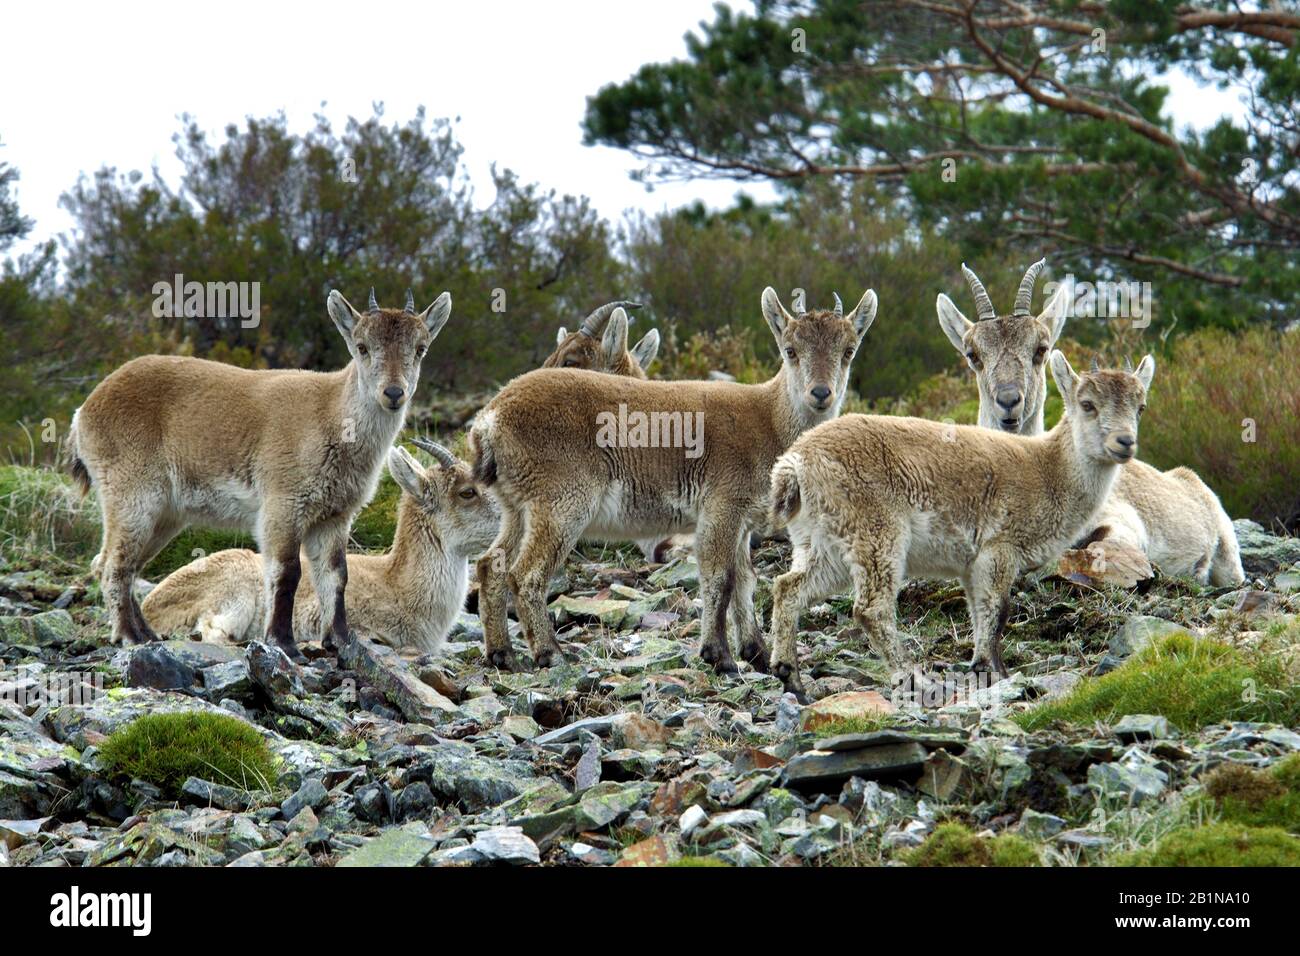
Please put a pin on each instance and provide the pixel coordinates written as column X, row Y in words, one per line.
column 630, row 753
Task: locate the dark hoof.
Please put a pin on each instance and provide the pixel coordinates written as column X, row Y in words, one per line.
column 503, row 660
column 756, row 654
column 984, row 665
column 291, row 650
column 548, row 657
column 719, row 658
column 789, row 677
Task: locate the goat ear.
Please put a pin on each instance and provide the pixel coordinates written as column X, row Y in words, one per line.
column 954, row 324
column 864, row 313
column 1063, row 375
column 436, row 315
column 645, row 351
column 777, row 317
column 406, row 471
column 340, row 309
column 1146, row 370
column 561, row 335
column 1056, row 312
column 614, row 342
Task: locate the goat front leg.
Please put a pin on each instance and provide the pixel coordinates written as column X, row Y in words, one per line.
column 988, row 596
column 717, row 543
column 326, row 546
column 278, row 537
column 749, row 638
column 491, row 569
column 553, row 531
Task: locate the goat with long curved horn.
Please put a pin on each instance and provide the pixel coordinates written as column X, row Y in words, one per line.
column 983, row 304
column 410, row 302
column 445, row 457
column 373, row 306
column 1025, row 294
column 839, row 306
column 594, row 324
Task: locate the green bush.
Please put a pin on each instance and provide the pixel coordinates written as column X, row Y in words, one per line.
column 952, row 844
column 1203, row 393
column 1190, row 681
column 165, row 749
column 1219, row 844
column 1258, row 798
column 191, row 544
column 374, row 527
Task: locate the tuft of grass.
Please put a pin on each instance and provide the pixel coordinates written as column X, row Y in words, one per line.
column 1269, row 798
column 165, row 749
column 44, row 519
column 952, row 844
column 1190, row 681
column 861, row 724
column 1219, row 844
column 694, row 861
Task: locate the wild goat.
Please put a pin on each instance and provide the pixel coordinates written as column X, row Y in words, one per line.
column 1173, row 517
column 407, row 598
column 294, row 455
column 874, row 500
column 601, row 345
column 573, row 454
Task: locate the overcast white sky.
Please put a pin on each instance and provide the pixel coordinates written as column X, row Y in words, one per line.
column 85, row 85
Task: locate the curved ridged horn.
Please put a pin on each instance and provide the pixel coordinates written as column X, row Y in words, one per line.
column 373, row 306
column 1095, row 366
column 983, row 304
column 594, row 324
column 445, row 457
column 839, row 306
column 410, row 302
column 1025, row 294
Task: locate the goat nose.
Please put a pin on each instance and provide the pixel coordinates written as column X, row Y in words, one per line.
column 1128, row 441
column 394, row 393
column 821, row 393
column 1008, row 396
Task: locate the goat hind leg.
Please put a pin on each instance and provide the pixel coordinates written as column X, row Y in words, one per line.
column 551, row 535
column 491, row 570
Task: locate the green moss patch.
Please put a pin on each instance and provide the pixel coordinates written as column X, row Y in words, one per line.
column 1220, row 844
column 165, row 749
column 952, row 844
column 1190, row 681
column 1268, row 798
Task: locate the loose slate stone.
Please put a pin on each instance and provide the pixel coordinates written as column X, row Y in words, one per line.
column 506, row 845
column 394, row 847
column 826, row 771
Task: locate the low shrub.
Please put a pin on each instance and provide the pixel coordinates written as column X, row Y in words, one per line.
column 44, row 519
column 166, row 749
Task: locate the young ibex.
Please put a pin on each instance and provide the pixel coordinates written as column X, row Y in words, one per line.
column 168, row 441
column 407, row 598
column 1173, row 517
column 600, row 345
column 873, row 500
column 562, row 470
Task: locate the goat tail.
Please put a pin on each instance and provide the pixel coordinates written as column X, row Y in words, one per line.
column 786, row 498
column 483, row 458
column 76, row 466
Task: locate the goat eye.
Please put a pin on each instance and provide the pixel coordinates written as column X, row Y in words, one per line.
column 1042, row 351
column 1088, row 407
column 362, row 349
column 468, row 493
column 570, row 363
column 848, row 355
column 791, row 354
column 974, row 357
column 419, row 351
column 1141, row 409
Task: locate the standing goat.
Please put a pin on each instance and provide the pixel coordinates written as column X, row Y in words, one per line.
column 600, row 345
column 407, row 598
column 698, row 460
column 1173, row 517
column 168, row 441
column 874, row 500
